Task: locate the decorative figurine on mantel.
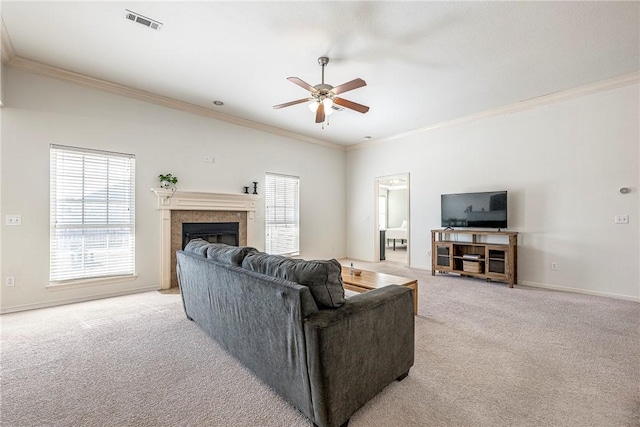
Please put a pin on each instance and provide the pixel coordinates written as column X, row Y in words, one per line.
column 255, row 187
column 246, row 190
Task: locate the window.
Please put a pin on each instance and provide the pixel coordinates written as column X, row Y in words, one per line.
column 92, row 214
column 282, row 214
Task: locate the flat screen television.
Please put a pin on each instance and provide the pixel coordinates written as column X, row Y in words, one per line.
column 477, row 210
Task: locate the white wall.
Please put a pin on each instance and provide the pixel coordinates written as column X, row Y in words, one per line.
column 562, row 164
column 397, row 207
column 39, row 111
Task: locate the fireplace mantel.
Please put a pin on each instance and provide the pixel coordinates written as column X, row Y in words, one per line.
column 188, row 200
column 191, row 201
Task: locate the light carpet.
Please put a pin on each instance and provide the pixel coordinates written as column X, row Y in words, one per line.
column 486, row 355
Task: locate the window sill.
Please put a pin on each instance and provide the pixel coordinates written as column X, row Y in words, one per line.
column 83, row 283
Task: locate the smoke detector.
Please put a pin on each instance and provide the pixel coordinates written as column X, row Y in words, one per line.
column 143, row 20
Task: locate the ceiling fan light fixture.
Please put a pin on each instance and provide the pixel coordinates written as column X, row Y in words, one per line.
column 323, row 96
column 328, row 103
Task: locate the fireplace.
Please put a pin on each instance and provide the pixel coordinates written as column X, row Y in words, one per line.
column 212, row 232
column 214, row 226
column 181, row 207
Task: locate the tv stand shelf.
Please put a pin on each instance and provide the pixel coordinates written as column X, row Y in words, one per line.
column 490, row 255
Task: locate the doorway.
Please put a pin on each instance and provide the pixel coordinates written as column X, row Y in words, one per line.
column 392, row 228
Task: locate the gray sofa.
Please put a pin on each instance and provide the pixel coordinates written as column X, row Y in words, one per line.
column 325, row 355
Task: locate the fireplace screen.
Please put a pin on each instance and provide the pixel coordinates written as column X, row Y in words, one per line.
column 213, row 232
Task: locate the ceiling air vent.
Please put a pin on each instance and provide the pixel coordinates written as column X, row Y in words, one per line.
column 143, row 20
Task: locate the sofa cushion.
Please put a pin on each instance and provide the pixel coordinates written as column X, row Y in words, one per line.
column 228, row 254
column 197, row 246
column 323, row 278
column 220, row 252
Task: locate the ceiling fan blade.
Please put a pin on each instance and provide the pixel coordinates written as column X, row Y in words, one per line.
column 302, row 84
column 288, row 104
column 353, row 84
column 351, row 105
column 320, row 113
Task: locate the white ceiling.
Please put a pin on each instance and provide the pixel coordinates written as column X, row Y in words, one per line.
column 424, row 62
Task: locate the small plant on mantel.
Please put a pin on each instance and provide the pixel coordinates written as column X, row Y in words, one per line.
column 168, row 181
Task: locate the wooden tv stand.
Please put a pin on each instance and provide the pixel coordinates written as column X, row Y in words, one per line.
column 490, row 255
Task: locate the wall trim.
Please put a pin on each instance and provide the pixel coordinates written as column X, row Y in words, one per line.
column 23, row 64
column 10, row 58
column 560, row 288
column 35, row 306
column 579, row 291
column 7, row 52
column 86, row 283
column 601, row 86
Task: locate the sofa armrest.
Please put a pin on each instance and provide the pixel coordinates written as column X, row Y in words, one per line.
column 356, row 350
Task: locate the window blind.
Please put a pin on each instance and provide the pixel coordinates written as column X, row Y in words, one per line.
column 92, row 214
column 282, row 213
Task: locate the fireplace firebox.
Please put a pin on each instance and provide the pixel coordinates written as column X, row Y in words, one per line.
column 212, row 232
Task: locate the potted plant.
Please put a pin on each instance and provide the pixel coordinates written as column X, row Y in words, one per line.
column 168, row 181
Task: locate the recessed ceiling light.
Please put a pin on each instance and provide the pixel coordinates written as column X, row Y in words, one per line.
column 218, row 103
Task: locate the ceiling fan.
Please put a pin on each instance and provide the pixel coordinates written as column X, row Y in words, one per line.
column 324, row 96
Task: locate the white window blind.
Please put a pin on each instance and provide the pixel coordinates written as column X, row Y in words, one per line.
column 92, row 214
column 282, row 214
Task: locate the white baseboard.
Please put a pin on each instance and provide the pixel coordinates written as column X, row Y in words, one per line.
column 569, row 289
column 55, row 303
column 579, row 291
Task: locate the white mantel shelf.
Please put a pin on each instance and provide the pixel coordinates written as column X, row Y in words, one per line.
column 189, row 200
column 192, row 201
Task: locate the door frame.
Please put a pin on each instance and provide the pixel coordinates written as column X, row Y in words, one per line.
column 376, row 207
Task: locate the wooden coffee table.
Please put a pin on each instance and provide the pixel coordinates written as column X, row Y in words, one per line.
column 369, row 280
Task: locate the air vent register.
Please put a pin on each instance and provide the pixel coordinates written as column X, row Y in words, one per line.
column 143, row 20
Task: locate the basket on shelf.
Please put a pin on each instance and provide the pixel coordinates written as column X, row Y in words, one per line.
column 472, row 266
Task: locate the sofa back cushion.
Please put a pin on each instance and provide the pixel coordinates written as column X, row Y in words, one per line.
column 232, row 255
column 197, row 246
column 323, row 278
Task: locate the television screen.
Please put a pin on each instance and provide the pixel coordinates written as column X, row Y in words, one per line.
column 481, row 210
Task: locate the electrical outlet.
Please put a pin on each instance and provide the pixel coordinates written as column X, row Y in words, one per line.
column 621, row 219
column 429, row 253
column 209, row 159
column 554, row 265
column 13, row 220
column 10, row 281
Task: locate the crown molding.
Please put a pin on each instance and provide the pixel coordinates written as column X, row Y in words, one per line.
column 10, row 58
column 601, row 86
column 46, row 70
column 7, row 52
